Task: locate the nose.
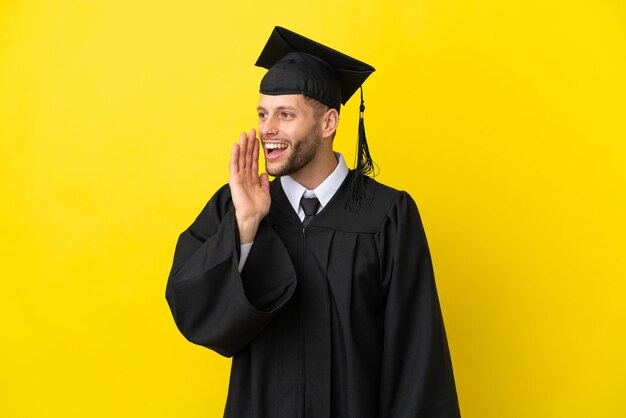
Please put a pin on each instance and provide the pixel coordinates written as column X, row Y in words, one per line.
column 268, row 127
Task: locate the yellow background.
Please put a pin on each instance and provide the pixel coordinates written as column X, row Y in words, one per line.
column 504, row 119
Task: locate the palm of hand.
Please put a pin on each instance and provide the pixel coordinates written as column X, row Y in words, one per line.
column 249, row 190
column 250, row 198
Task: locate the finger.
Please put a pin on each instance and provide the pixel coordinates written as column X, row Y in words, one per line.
column 234, row 160
column 242, row 151
column 250, row 149
column 255, row 156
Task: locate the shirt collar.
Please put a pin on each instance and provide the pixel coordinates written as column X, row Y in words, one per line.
column 324, row 192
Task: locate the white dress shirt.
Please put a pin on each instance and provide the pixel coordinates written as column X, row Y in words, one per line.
column 295, row 191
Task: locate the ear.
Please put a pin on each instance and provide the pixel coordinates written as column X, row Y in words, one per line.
column 330, row 120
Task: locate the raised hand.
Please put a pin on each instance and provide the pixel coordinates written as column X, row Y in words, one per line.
column 249, row 190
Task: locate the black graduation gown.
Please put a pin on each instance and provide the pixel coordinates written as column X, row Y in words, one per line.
column 340, row 319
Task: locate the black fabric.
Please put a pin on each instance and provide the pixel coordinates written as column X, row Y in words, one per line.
column 298, row 65
column 339, row 319
column 310, row 205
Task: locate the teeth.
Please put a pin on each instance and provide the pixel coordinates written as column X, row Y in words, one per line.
column 273, row 145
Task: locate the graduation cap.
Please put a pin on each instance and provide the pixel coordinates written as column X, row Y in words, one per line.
column 298, row 65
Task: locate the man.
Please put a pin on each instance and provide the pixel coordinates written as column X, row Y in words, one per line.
column 319, row 284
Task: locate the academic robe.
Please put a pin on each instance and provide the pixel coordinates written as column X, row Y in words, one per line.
column 340, row 319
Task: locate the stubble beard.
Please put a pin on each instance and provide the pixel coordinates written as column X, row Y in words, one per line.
column 303, row 152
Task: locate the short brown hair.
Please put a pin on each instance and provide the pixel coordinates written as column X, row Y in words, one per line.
column 319, row 109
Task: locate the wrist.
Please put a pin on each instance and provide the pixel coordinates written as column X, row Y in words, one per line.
column 247, row 229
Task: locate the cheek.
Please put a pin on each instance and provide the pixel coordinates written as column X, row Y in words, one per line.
column 298, row 131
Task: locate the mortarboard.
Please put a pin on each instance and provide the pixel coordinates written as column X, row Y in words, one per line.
column 298, row 65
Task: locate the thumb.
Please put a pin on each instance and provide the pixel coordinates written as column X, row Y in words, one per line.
column 265, row 182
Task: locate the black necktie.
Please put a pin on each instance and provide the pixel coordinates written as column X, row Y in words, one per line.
column 310, row 206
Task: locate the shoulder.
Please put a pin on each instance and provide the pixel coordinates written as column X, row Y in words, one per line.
column 386, row 201
column 379, row 204
column 222, row 197
column 381, row 193
column 218, row 205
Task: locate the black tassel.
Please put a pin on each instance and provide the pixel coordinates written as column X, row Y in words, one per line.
column 364, row 166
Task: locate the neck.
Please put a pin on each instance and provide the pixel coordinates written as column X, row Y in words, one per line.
column 317, row 170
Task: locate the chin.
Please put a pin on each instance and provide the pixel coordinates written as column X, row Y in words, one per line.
column 275, row 170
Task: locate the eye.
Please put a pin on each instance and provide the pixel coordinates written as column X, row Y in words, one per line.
column 262, row 115
column 287, row 115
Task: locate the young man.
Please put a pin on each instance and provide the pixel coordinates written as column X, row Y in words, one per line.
column 319, row 284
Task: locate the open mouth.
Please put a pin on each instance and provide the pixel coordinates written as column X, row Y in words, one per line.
column 273, row 150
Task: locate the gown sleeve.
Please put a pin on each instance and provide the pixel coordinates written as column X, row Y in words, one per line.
column 213, row 304
column 416, row 376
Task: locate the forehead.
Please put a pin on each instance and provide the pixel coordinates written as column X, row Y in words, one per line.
column 295, row 101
